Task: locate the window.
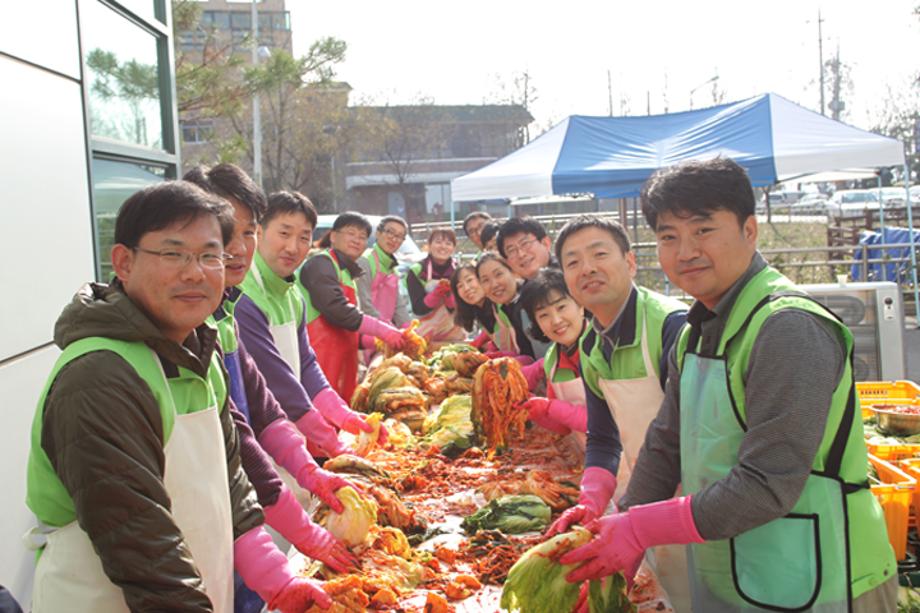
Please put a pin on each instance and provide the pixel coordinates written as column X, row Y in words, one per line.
column 282, row 21
column 113, row 182
column 197, row 131
column 123, row 78
column 240, row 21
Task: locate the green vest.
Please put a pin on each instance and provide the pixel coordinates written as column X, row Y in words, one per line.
column 387, row 262
column 341, row 273
column 222, row 320
column 275, row 297
column 832, row 546
column 626, row 362
column 187, row 393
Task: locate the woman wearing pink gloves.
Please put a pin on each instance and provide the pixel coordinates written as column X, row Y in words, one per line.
column 557, row 317
column 428, row 285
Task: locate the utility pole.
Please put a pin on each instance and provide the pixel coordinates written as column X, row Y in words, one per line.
column 609, row 94
column 648, row 102
column 821, row 61
column 837, row 105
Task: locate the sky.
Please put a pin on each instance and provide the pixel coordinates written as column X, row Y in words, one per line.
column 656, row 52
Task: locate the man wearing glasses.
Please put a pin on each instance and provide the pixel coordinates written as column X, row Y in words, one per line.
column 524, row 243
column 378, row 283
column 334, row 320
column 134, row 472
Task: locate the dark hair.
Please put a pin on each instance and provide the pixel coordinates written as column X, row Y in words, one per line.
column 696, row 187
column 614, row 228
column 450, row 234
column 284, row 203
column 466, row 314
column 394, row 219
column 161, row 205
column 325, row 240
column 229, row 181
column 352, row 218
column 519, row 225
column 490, row 256
column 535, row 295
column 472, row 216
column 488, row 232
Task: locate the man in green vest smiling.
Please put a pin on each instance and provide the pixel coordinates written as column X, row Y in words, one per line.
column 134, row 472
column 759, row 426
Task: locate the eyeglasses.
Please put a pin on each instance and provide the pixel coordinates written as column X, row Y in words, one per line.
column 399, row 236
column 180, row 259
column 515, row 250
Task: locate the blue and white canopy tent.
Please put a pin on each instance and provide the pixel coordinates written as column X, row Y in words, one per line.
column 611, row 157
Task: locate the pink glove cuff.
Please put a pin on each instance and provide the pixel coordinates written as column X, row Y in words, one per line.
column 573, row 416
column 320, row 433
column 665, row 523
column 261, row 565
column 284, row 442
column 375, row 327
column 288, row 517
column 533, row 373
column 331, row 406
column 433, row 299
column 597, row 488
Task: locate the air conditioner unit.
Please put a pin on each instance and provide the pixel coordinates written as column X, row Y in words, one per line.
column 874, row 314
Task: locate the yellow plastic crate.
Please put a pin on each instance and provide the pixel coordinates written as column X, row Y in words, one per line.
column 894, row 489
column 882, row 392
column 911, row 466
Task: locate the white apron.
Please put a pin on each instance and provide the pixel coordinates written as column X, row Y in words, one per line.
column 439, row 325
column 69, row 575
column 572, row 392
column 634, row 403
column 284, row 335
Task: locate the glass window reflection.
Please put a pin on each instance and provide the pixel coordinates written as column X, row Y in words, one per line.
column 113, row 182
column 123, row 78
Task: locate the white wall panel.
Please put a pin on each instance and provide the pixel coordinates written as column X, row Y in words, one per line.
column 44, row 195
column 21, row 382
column 44, row 33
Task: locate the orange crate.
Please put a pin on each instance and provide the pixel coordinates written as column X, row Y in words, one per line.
column 894, row 489
column 881, row 392
column 912, row 467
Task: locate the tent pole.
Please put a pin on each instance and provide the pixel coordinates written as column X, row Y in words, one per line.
column 911, row 240
column 881, row 227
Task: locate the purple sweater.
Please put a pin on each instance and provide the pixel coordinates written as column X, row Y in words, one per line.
column 292, row 390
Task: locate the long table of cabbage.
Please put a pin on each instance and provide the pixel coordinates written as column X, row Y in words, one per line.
column 438, row 523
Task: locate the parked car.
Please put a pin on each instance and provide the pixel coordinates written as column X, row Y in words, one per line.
column 814, row 202
column 851, row 202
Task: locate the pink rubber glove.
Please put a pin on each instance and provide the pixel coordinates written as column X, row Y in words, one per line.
column 321, row 433
column 537, row 412
column 285, row 444
column 266, row 571
column 597, row 488
column 288, row 517
column 621, row 539
column 557, row 415
column 434, row 298
column 534, row 373
column 450, row 302
column 368, row 342
column 334, row 409
column 523, row 360
column 480, row 341
column 382, row 330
